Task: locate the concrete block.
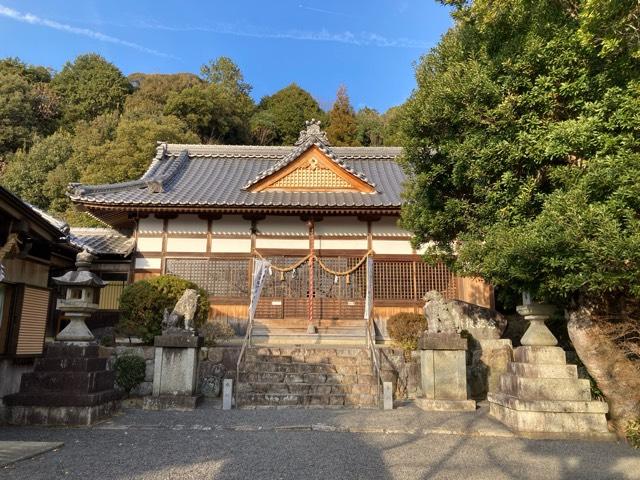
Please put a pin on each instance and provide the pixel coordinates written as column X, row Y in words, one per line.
column 387, row 394
column 545, row 388
column 427, row 374
column 450, row 374
column 533, row 370
column 227, row 392
column 445, row 405
column 540, row 355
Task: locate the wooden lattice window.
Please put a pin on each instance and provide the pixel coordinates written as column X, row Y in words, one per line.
column 410, row 280
column 219, row 277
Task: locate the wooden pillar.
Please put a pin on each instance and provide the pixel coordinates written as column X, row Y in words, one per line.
column 311, row 326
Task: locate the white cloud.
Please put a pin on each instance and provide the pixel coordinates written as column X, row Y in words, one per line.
column 363, row 39
column 35, row 20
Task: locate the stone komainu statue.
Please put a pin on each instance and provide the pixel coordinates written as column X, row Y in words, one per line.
column 181, row 320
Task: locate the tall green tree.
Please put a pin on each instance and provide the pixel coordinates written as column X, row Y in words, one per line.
column 151, row 92
column 220, row 109
column 90, row 86
column 523, row 148
column 28, row 107
column 343, row 127
column 370, row 127
column 287, row 110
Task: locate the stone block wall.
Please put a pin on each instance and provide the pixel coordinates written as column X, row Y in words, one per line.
column 209, row 357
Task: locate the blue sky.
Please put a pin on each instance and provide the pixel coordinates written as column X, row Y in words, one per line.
column 369, row 46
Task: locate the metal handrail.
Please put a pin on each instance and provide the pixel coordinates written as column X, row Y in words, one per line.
column 245, row 344
column 371, row 335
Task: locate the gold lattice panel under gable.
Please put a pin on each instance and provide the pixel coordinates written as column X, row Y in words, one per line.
column 312, row 177
column 313, row 170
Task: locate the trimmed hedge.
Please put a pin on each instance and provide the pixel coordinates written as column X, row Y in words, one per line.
column 130, row 371
column 142, row 305
column 406, row 328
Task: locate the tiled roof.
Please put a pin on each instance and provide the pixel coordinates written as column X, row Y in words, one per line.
column 101, row 241
column 218, row 175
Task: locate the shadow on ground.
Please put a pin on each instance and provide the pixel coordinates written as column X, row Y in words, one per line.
column 312, row 444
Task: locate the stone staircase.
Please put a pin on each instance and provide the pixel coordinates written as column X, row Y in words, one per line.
column 298, row 376
column 294, row 332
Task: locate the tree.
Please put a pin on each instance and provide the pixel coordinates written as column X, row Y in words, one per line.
column 289, row 108
column 26, row 172
column 342, row 129
column 89, row 87
column 521, row 142
column 219, row 110
column 392, row 130
column 28, row 107
column 369, row 131
column 152, row 91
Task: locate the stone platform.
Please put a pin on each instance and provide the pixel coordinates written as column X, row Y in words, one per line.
column 540, row 393
column 70, row 385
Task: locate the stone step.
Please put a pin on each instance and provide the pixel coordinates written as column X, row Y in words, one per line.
column 308, row 359
column 80, row 382
column 545, row 388
column 265, row 338
column 533, row 370
column 540, row 355
column 292, row 367
column 61, row 350
column 306, row 388
column 61, row 399
column 53, row 364
column 315, row 378
column 287, row 399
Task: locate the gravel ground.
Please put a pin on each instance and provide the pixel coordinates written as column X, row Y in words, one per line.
column 284, row 444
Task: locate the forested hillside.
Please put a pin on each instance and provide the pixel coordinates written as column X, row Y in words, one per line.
column 90, row 123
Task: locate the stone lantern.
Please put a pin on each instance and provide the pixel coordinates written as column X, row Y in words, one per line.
column 80, row 300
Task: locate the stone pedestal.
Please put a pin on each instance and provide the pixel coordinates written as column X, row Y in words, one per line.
column 175, row 373
column 70, row 385
column 444, row 373
column 540, row 394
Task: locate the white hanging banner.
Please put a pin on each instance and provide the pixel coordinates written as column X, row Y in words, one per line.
column 368, row 301
column 260, row 269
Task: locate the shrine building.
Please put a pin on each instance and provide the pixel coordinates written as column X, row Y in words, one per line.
column 316, row 212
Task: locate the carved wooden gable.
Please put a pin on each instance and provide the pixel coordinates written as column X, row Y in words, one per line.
column 312, row 171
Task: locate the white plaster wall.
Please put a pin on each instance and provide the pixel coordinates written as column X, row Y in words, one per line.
column 341, row 226
column 186, row 245
column 187, row 224
column 423, row 248
column 231, row 245
column 394, row 247
column 346, row 244
column 282, row 225
column 388, row 226
column 149, row 244
column 289, row 243
column 148, row 263
column 150, row 225
column 231, row 225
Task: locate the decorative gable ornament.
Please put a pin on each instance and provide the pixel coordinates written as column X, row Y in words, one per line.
column 311, row 166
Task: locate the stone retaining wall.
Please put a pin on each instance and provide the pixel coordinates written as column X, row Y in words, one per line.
column 209, row 357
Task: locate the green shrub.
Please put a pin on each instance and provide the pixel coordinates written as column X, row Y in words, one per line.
column 142, row 305
column 406, row 328
column 215, row 331
column 633, row 433
column 130, row 371
column 108, row 341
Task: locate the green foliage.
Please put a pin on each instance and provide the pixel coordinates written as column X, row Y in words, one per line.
column 153, row 90
column 142, row 305
column 130, row 371
column 27, row 172
column 522, row 142
column 342, row 129
column 406, row 328
column 288, row 109
column 90, row 86
column 28, row 107
column 370, row 128
column 215, row 332
column 633, row 433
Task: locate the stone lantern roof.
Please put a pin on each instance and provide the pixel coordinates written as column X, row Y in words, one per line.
column 81, row 277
